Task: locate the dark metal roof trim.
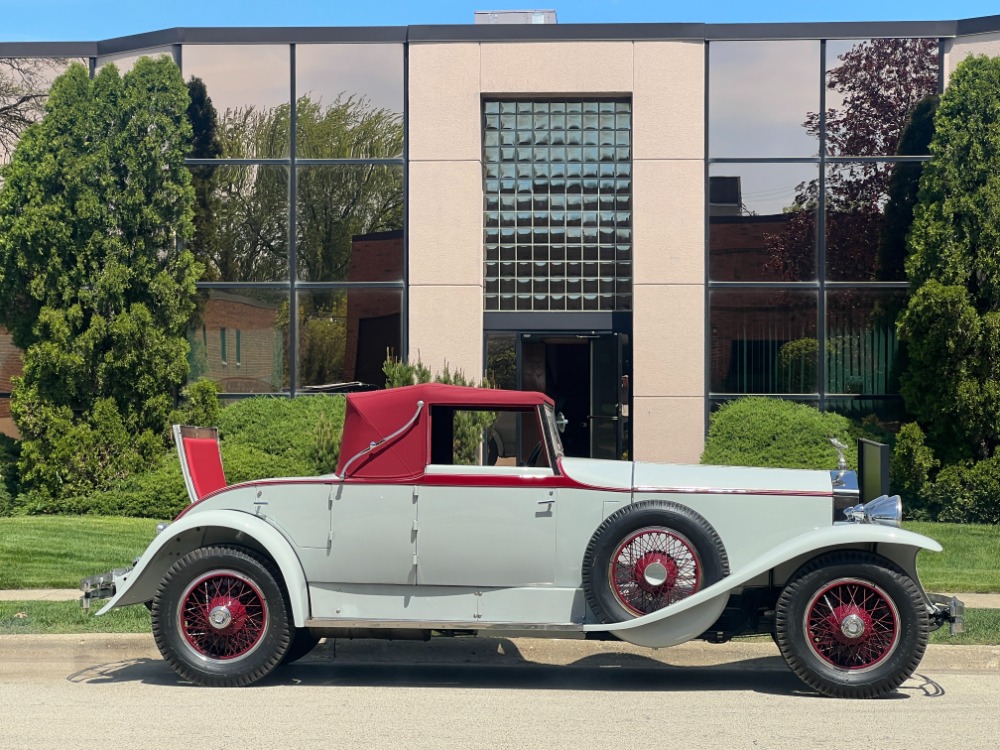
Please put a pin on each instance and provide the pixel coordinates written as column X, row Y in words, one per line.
column 504, row 33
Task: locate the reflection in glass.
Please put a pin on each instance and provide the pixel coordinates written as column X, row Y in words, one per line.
column 759, row 94
column 24, row 87
column 501, row 361
column 762, row 222
column 873, row 86
column 763, row 341
column 886, row 413
column 350, row 223
column 862, row 349
column 557, row 219
column 350, row 100
column 250, row 87
column 125, row 61
column 244, row 234
column 238, row 339
column 345, row 335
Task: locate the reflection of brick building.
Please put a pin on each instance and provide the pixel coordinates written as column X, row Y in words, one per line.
column 238, row 344
column 373, row 316
column 11, row 366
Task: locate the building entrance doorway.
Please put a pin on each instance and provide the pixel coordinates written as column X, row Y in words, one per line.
column 587, row 375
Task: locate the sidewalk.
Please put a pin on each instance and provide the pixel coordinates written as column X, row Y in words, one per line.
column 972, row 601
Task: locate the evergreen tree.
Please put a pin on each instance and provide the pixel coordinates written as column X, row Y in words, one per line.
column 952, row 322
column 94, row 285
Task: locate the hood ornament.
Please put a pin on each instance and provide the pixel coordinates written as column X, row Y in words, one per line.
column 838, row 480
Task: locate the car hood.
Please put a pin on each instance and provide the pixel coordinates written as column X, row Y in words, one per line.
column 620, row 475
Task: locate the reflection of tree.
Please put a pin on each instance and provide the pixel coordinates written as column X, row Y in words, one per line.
column 24, row 87
column 880, row 82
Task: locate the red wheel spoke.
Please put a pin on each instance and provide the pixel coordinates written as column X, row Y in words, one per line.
column 852, row 624
column 239, row 609
column 652, row 568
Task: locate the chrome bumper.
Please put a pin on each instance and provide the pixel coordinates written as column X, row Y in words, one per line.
column 947, row 609
column 101, row 586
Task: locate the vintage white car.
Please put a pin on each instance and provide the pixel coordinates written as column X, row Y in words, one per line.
column 407, row 541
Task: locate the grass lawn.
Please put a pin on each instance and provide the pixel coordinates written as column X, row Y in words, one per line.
column 32, row 618
column 970, row 561
column 57, row 551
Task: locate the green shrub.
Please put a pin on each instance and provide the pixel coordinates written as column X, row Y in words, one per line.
column 201, row 407
column 910, row 467
column 283, row 427
column 758, row 431
column 965, row 493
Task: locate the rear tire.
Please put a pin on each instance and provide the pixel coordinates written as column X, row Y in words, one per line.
column 220, row 617
column 851, row 625
column 303, row 642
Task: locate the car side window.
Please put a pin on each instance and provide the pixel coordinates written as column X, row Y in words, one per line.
column 479, row 437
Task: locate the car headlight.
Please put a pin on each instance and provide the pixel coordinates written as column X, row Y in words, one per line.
column 884, row 510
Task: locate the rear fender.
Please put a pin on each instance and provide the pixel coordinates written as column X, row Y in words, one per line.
column 695, row 614
column 207, row 528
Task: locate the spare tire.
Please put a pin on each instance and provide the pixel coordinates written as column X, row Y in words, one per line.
column 647, row 556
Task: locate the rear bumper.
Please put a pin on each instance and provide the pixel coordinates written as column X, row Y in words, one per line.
column 947, row 609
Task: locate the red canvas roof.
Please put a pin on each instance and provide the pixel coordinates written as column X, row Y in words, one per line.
column 374, row 416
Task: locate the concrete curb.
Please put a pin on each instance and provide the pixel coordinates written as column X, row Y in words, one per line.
column 479, row 652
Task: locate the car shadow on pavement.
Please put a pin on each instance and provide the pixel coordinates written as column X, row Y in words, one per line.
column 499, row 664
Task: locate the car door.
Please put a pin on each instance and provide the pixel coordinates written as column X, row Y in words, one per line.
column 487, row 526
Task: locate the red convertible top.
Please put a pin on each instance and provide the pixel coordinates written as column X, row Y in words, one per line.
column 374, row 416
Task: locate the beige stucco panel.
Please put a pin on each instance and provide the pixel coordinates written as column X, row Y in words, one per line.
column 668, row 340
column 668, row 221
column 668, row 103
column 668, row 430
column 445, row 214
column 446, row 327
column 557, row 67
column 958, row 49
column 444, row 117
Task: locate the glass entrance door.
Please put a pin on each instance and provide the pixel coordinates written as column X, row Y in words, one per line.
column 587, row 375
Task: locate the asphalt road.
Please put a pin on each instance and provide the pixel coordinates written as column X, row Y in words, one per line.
column 114, row 691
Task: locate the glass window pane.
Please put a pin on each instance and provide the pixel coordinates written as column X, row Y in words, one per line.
column 501, row 361
column 24, row 86
column 350, row 100
column 760, row 95
column 762, row 222
column 873, row 86
column 869, row 211
column 862, row 349
column 126, row 60
column 350, row 223
column 250, row 87
column 241, row 222
column 345, row 335
column 763, row 341
column 258, row 319
column 879, row 415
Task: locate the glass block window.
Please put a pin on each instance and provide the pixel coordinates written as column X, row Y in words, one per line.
column 557, row 219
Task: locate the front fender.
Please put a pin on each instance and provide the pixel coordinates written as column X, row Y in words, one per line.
column 208, row 528
column 695, row 614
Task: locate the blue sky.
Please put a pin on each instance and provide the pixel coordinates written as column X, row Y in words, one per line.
column 85, row 20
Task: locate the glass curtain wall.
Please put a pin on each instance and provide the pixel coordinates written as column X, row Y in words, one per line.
column 298, row 167
column 814, row 149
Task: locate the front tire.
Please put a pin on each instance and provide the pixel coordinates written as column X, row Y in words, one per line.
column 220, row 618
column 851, row 625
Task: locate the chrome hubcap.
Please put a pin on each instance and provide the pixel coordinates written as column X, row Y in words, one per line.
column 852, row 626
column 655, row 574
column 220, row 617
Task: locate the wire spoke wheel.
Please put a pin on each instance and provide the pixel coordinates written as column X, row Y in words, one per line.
column 652, row 568
column 647, row 556
column 223, row 615
column 852, row 624
column 220, row 617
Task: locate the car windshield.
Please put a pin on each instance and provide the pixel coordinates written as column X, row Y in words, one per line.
column 552, row 431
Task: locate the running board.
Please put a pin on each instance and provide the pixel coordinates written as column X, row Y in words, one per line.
column 337, row 622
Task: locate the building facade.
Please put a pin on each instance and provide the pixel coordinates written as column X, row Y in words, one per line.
column 643, row 221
